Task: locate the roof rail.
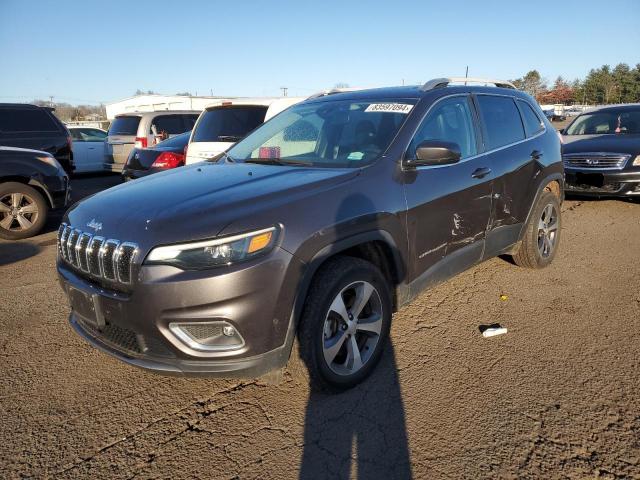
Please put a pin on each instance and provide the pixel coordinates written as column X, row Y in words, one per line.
column 443, row 82
column 331, row 91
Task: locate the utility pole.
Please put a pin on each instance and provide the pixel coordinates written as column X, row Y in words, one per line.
column 51, row 100
column 466, row 74
column 284, row 91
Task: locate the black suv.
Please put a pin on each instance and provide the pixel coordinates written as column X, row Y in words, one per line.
column 317, row 226
column 601, row 152
column 36, row 128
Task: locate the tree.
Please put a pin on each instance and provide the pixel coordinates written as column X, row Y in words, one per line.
column 142, row 92
column 532, row 83
column 561, row 92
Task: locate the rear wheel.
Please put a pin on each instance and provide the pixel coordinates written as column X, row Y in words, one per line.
column 345, row 323
column 23, row 211
column 542, row 236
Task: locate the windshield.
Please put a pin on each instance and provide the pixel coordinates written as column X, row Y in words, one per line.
column 325, row 134
column 606, row 122
column 228, row 124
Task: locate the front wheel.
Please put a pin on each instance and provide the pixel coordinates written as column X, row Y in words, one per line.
column 345, row 323
column 542, row 235
column 23, row 211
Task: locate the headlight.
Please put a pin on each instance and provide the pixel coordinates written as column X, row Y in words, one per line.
column 636, row 161
column 50, row 160
column 215, row 253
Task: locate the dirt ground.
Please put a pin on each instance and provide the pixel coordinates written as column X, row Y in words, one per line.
column 558, row 396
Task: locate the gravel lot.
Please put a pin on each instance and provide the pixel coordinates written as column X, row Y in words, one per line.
column 558, row 396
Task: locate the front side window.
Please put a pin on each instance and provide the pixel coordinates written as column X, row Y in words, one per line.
column 605, row 123
column 450, row 121
column 532, row 123
column 328, row 133
column 501, row 119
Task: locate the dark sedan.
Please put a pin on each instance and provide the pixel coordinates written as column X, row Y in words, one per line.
column 601, row 152
column 165, row 155
column 31, row 183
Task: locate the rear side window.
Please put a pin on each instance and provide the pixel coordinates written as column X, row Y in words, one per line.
column 124, row 126
column 532, row 123
column 501, row 120
column 172, row 124
column 228, row 124
column 26, row 120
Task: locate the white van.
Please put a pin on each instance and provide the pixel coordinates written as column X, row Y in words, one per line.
column 223, row 123
column 142, row 130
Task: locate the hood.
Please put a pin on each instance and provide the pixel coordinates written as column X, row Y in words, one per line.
column 197, row 202
column 622, row 143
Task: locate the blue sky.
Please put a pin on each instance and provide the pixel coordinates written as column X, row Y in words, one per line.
column 91, row 52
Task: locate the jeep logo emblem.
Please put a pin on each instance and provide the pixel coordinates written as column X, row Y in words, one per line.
column 97, row 226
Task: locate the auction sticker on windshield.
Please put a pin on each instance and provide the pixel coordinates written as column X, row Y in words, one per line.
column 389, row 107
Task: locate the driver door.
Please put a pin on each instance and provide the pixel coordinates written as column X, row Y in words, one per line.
column 448, row 206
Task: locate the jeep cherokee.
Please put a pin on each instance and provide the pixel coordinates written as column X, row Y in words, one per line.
column 317, row 226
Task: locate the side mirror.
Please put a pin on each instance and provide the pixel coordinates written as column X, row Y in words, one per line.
column 561, row 131
column 435, row 152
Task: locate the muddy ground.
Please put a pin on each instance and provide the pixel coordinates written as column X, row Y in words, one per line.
column 558, row 396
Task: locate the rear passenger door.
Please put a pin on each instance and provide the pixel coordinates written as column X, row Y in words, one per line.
column 448, row 205
column 513, row 159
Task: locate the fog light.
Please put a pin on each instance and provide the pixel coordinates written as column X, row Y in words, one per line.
column 208, row 336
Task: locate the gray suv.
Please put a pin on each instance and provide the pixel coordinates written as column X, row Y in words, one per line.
column 315, row 228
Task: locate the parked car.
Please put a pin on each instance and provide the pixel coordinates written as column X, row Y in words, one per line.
column 222, row 124
column 31, row 183
column 142, row 130
column 165, row 155
column 601, row 152
column 88, row 148
column 318, row 225
column 33, row 127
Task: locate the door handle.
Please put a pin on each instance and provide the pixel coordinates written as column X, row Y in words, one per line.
column 536, row 154
column 481, row 172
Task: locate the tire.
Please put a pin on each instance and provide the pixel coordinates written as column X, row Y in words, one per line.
column 541, row 238
column 325, row 334
column 23, row 211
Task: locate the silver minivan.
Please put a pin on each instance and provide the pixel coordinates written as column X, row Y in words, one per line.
column 142, row 130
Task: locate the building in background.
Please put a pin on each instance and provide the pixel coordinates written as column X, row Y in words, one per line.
column 154, row 103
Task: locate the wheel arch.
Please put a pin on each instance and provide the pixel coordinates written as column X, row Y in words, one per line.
column 30, row 182
column 377, row 247
column 553, row 183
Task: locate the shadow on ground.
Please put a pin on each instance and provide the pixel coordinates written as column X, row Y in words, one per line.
column 16, row 252
column 362, row 430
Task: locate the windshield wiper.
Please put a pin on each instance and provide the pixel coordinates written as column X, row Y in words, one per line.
column 217, row 158
column 229, row 138
column 277, row 161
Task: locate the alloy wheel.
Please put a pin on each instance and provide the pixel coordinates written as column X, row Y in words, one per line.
column 352, row 327
column 18, row 212
column 547, row 230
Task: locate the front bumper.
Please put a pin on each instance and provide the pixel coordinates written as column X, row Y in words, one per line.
column 602, row 182
column 257, row 299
